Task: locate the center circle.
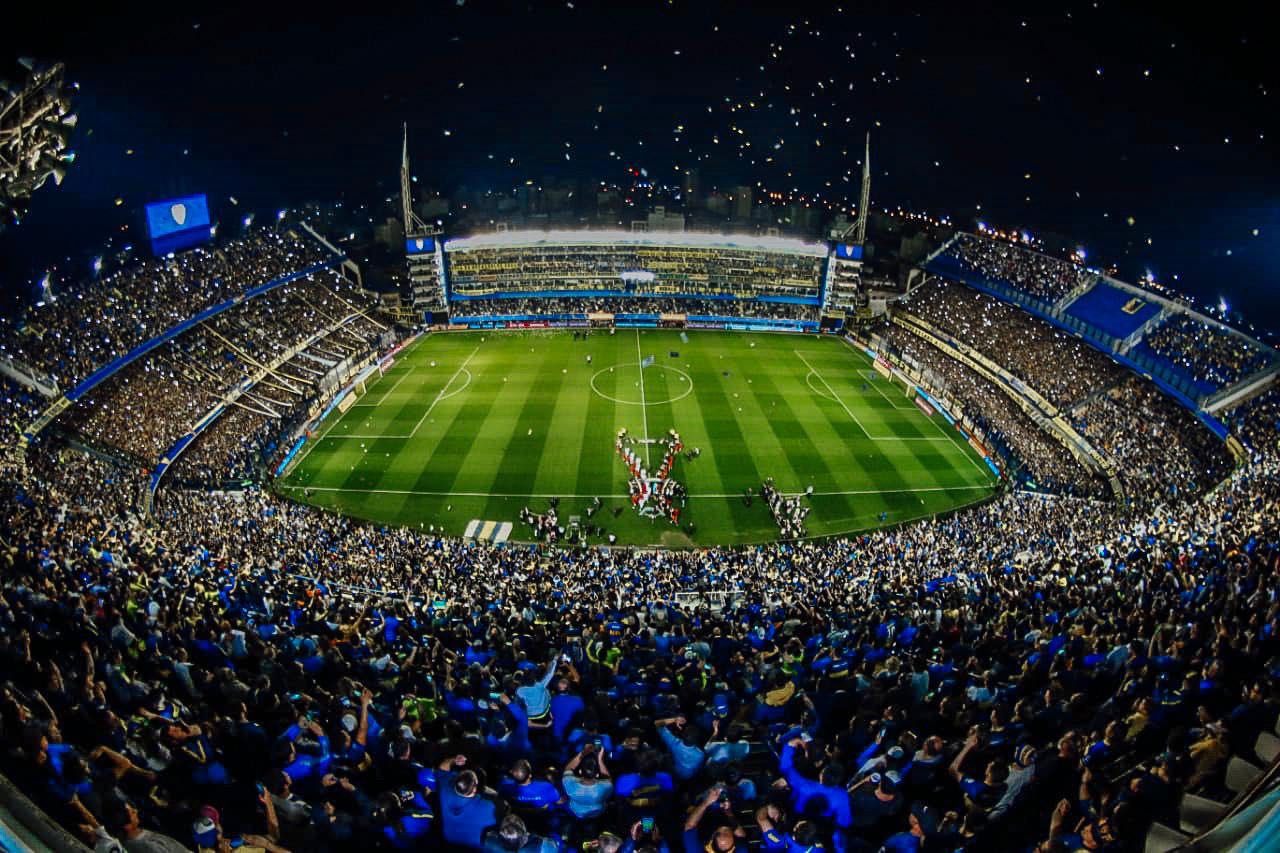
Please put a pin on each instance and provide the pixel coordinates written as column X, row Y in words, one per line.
column 633, row 368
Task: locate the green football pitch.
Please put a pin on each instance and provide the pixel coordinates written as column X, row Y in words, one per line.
column 477, row 425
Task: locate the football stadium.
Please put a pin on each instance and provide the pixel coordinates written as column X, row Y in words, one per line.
column 474, row 430
column 615, row 515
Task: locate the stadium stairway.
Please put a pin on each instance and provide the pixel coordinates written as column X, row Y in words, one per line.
column 1096, row 394
column 1252, row 809
column 1086, row 284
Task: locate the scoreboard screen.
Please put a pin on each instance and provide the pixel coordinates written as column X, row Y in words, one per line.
column 178, row 223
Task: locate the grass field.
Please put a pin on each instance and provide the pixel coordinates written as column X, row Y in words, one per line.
column 476, row 425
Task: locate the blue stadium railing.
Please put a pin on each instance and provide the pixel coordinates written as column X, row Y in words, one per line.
column 116, row 365
column 1176, row 384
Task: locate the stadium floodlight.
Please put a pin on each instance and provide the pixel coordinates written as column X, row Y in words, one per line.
column 36, row 124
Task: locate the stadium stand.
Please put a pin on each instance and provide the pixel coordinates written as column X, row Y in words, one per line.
column 1059, row 366
column 1159, row 447
column 247, row 668
column 99, row 320
column 1197, row 360
column 1041, row 671
column 19, row 406
column 1033, row 273
column 1047, row 463
column 581, row 307
column 1256, row 422
column 692, row 265
column 1117, row 311
column 517, row 277
column 1210, row 355
column 147, row 406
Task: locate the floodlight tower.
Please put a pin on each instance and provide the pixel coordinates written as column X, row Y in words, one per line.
column 864, row 200
column 413, row 224
column 424, row 252
column 35, row 125
column 843, row 294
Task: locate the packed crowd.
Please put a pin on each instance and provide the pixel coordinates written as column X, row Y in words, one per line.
column 1034, row 672
column 476, row 270
column 632, row 305
column 235, row 447
column 1000, row 421
column 274, row 347
column 1160, row 449
column 1209, row 354
column 19, row 406
column 85, row 327
column 1034, row 273
column 1058, row 365
column 1256, row 421
column 240, row 670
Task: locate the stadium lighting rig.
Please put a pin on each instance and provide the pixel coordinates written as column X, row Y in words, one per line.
column 35, row 127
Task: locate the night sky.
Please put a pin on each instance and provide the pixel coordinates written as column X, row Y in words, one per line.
column 1147, row 134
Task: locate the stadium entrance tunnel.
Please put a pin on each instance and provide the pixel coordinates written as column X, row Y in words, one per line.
column 622, row 384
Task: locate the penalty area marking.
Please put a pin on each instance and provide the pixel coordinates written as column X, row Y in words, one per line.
column 830, row 394
column 460, row 388
column 834, row 395
column 808, row 380
column 443, row 394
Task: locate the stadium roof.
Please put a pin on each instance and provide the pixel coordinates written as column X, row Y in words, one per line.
column 683, row 239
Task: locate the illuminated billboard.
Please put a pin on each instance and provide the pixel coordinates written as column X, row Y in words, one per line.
column 178, row 224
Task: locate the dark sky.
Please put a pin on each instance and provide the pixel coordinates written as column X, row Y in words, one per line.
column 1078, row 118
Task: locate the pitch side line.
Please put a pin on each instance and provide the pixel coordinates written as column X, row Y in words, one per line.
column 892, row 404
column 833, row 393
column 644, row 412
column 952, row 436
column 619, row 497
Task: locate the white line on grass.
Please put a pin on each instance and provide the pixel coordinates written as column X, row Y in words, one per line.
column 947, row 434
column 440, row 394
column 876, row 385
column 328, row 429
column 617, row 497
column 644, row 413
column 392, row 389
column 953, row 435
column 833, row 393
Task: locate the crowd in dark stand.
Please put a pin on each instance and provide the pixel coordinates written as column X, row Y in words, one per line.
column 1034, row 673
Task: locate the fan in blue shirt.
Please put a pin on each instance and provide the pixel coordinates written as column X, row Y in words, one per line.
column 521, row 788
column 827, row 790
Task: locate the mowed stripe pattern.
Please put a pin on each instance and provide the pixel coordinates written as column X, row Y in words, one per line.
column 470, row 425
